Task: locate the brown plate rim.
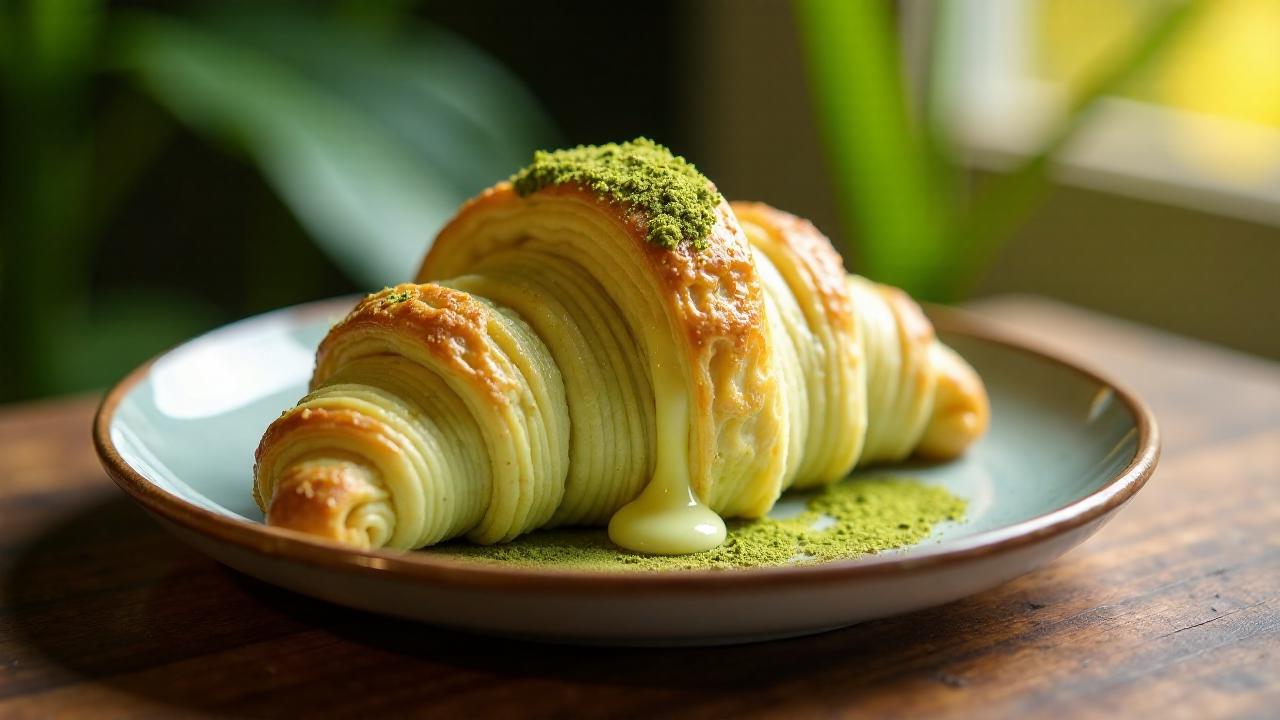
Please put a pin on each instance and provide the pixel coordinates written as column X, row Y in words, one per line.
column 282, row 544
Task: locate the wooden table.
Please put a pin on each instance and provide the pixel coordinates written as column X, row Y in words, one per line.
column 1171, row 611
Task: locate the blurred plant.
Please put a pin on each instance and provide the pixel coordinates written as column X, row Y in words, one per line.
column 370, row 127
column 916, row 223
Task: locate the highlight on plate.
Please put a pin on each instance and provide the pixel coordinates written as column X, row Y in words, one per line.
column 604, row 340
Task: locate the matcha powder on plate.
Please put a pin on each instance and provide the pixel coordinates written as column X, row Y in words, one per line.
column 848, row 519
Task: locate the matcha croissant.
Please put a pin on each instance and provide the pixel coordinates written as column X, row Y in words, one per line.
column 605, row 340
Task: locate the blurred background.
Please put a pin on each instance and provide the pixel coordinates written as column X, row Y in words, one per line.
column 169, row 167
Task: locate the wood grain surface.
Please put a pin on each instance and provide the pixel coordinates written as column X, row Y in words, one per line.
column 1172, row 611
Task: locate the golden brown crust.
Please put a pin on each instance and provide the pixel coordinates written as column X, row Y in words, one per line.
column 318, row 495
column 712, row 297
column 341, row 421
column 814, row 252
column 913, row 326
column 830, row 353
column 714, row 294
column 450, row 324
column 716, row 291
column 915, row 332
column 317, row 499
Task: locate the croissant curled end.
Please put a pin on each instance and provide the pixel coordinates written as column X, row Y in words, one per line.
column 334, row 499
column 961, row 410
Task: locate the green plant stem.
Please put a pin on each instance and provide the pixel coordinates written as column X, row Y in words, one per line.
column 890, row 199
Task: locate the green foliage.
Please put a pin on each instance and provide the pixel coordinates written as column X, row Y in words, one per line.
column 900, row 199
column 890, row 198
column 47, row 51
column 373, row 141
column 371, row 129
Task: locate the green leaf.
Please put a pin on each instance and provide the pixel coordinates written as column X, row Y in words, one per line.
column 372, row 142
column 889, row 198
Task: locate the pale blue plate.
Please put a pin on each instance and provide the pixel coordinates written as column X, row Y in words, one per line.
column 1066, row 449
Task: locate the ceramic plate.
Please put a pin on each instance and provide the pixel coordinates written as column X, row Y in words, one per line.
column 1067, row 448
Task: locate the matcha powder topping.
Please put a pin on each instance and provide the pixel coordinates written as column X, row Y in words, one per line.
column 677, row 202
column 848, row 519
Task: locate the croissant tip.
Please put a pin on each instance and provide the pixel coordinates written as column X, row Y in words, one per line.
column 335, row 500
column 962, row 410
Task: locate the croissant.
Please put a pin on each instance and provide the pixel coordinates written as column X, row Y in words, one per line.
column 605, row 339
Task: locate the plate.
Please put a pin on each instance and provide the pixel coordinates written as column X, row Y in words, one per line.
column 1067, row 448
